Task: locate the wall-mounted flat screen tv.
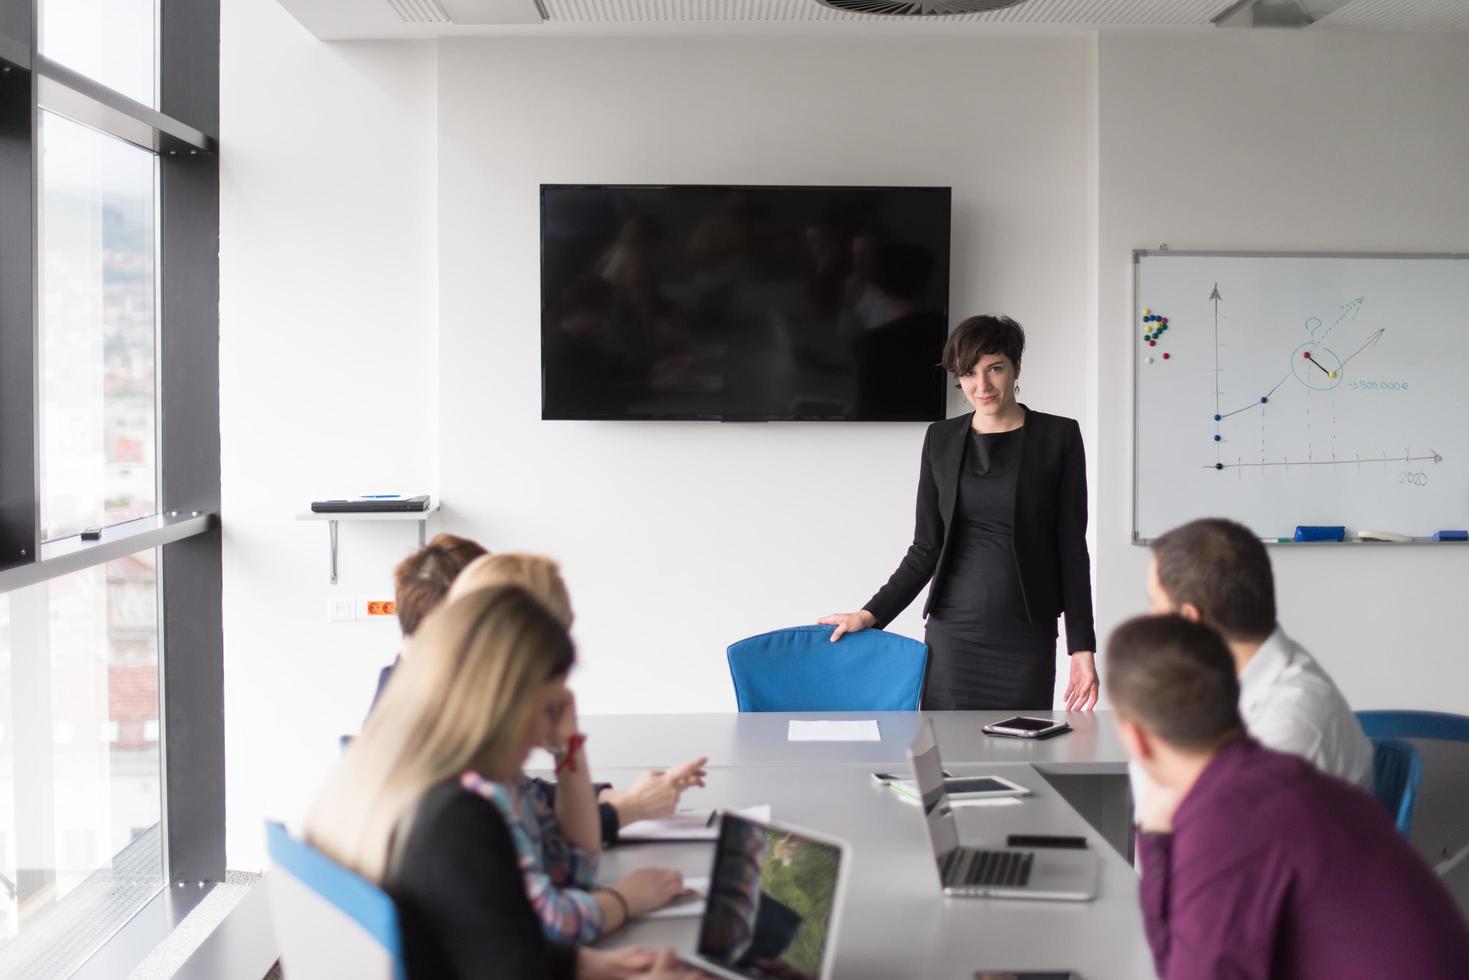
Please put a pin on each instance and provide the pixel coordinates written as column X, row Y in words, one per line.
column 743, row 303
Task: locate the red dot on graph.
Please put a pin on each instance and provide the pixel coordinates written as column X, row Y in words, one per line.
column 1165, row 357
column 1306, row 355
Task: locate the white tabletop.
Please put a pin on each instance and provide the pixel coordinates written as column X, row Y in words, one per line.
column 896, row 921
column 759, row 739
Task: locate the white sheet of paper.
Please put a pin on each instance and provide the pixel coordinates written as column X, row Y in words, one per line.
column 833, row 731
column 686, row 825
column 690, row 907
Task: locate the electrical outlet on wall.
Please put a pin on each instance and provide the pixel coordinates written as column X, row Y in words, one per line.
column 376, row 609
column 340, row 609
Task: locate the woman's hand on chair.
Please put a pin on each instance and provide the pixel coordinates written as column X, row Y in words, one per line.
column 852, row 622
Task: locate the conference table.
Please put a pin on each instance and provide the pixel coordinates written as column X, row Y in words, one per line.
column 896, row 922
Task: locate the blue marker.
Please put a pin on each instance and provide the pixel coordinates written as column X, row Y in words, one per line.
column 1308, row 532
column 1451, row 535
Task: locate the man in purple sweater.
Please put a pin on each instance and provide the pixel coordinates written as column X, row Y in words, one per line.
column 1255, row 864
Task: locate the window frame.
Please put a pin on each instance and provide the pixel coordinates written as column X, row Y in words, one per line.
column 182, row 131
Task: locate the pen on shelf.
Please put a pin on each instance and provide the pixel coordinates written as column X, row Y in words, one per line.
column 712, row 815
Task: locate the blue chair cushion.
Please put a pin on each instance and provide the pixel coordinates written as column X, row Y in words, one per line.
column 800, row 669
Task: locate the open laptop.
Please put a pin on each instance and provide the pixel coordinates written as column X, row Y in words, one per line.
column 1000, row 872
column 775, row 898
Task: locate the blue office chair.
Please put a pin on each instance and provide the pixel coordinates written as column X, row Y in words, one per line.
column 1397, row 769
column 328, row 921
column 1436, row 725
column 800, row 669
column 1415, row 724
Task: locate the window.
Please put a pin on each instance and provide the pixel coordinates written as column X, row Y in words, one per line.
column 78, row 661
column 97, row 339
column 109, row 236
column 114, row 42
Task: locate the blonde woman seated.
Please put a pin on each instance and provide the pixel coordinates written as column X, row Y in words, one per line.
column 556, row 828
column 486, row 683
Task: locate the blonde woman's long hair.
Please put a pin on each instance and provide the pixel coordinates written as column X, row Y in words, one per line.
column 536, row 574
column 461, row 701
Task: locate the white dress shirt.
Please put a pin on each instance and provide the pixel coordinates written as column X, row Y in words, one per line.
column 1290, row 704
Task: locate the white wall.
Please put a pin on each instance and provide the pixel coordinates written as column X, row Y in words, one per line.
column 678, row 538
column 1287, row 141
column 328, row 380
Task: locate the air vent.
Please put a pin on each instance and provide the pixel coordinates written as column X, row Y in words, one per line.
column 419, row 11
column 920, row 8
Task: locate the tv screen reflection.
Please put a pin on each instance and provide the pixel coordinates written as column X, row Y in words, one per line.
column 695, row 302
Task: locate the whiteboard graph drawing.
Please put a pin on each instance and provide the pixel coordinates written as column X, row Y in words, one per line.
column 1302, row 389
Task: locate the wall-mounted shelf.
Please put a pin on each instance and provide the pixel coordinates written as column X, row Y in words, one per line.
column 421, row 516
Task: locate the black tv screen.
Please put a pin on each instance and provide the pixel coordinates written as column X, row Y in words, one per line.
column 743, row 303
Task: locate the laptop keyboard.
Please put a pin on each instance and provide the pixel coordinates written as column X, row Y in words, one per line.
column 1006, row 869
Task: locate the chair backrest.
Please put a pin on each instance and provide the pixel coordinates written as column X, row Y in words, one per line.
column 1397, row 769
column 800, row 669
column 328, row 921
column 1415, row 724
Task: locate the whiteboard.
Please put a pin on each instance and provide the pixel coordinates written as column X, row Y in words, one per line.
column 1301, row 389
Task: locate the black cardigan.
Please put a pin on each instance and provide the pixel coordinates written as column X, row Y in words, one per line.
column 461, row 900
column 1050, row 526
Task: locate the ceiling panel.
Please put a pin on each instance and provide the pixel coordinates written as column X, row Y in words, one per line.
column 338, row 19
column 1073, row 12
column 1403, row 15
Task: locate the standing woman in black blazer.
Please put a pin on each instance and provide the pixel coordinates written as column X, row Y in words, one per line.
column 1001, row 532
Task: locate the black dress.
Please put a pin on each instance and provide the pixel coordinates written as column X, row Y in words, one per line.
column 984, row 651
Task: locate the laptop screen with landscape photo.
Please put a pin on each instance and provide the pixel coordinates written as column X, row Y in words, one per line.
column 772, row 902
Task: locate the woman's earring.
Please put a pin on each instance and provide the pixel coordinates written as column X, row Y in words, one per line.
column 1017, row 387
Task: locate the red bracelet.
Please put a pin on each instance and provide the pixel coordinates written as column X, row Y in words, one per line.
column 567, row 762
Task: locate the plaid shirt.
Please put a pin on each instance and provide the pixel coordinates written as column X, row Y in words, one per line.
column 558, row 875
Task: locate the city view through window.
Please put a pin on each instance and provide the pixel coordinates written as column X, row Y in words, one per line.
column 98, row 332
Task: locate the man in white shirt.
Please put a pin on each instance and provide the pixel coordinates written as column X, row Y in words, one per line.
column 1217, row 572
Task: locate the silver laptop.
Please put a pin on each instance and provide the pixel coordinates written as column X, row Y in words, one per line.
column 1000, row 872
column 775, row 898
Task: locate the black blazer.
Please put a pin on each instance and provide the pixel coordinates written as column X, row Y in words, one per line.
column 1050, row 526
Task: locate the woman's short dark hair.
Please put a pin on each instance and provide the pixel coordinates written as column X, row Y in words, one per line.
column 981, row 335
column 1222, row 569
column 1177, row 678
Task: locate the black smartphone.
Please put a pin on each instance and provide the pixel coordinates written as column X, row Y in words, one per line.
column 1044, row 840
column 1026, row 975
